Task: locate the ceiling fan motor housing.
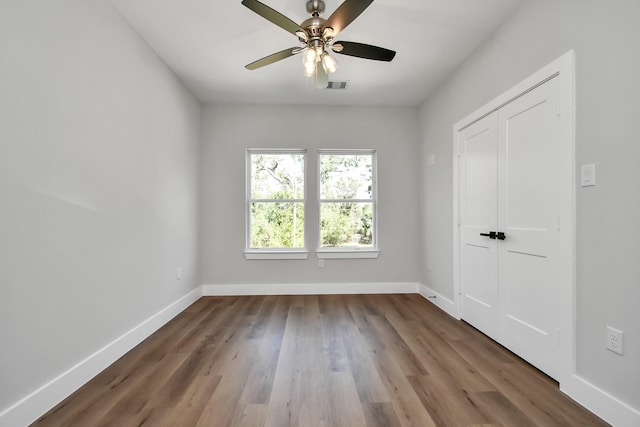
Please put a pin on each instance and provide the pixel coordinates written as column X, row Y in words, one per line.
column 313, row 26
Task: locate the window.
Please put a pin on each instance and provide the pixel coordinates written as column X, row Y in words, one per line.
column 275, row 204
column 347, row 204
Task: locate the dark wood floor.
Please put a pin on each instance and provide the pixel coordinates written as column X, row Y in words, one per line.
column 335, row 360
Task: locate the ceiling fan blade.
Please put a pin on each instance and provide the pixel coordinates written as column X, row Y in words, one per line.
column 345, row 14
column 273, row 16
column 362, row 50
column 275, row 57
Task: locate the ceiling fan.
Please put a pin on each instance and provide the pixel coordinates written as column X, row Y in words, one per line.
column 317, row 37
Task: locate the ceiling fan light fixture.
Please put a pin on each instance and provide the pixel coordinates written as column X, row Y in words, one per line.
column 309, row 58
column 309, row 70
column 329, row 63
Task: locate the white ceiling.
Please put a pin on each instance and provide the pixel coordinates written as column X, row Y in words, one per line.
column 207, row 43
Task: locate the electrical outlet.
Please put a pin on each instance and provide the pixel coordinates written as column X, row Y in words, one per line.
column 615, row 340
column 179, row 273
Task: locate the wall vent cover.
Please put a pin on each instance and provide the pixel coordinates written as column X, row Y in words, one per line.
column 337, row 85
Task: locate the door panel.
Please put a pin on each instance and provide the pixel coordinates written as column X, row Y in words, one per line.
column 528, row 176
column 479, row 288
column 528, row 205
column 529, row 284
column 478, row 203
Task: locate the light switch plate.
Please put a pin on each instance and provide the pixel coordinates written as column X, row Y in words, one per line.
column 588, row 175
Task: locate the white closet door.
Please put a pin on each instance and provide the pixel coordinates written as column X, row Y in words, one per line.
column 531, row 184
column 514, row 195
column 477, row 148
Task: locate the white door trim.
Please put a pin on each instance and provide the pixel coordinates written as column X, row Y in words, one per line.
column 562, row 69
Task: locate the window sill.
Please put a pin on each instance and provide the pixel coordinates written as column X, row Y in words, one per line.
column 276, row 254
column 347, row 253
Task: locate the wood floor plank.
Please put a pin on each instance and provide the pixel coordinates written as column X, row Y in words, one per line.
column 405, row 402
column 261, row 319
column 253, row 415
column 380, row 414
column 398, row 347
column 434, row 346
column 529, row 390
column 502, row 410
column 225, row 403
column 299, row 393
column 191, row 338
column 342, row 392
column 218, row 347
column 189, row 408
column 363, row 370
column 147, row 417
column 261, row 378
column 399, row 305
column 141, row 396
column 446, row 403
column 335, row 354
column 318, row 360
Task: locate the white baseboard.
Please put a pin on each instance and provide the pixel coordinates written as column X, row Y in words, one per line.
column 310, row 289
column 46, row 397
column 601, row 403
column 442, row 302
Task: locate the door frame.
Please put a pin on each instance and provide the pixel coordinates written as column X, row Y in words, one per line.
column 562, row 69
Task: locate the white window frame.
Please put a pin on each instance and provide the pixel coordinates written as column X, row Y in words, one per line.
column 350, row 251
column 273, row 253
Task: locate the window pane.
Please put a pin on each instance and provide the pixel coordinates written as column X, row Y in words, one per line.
column 277, row 225
column 277, row 176
column 346, row 176
column 346, row 224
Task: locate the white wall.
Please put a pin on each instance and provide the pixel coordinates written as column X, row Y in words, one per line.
column 606, row 37
column 99, row 148
column 230, row 130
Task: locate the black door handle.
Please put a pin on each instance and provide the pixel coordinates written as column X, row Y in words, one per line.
column 495, row 235
column 491, row 234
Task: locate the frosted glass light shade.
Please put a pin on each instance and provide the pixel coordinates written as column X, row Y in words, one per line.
column 309, row 58
column 309, row 70
column 329, row 63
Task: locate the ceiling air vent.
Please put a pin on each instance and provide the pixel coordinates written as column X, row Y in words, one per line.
column 337, row 85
